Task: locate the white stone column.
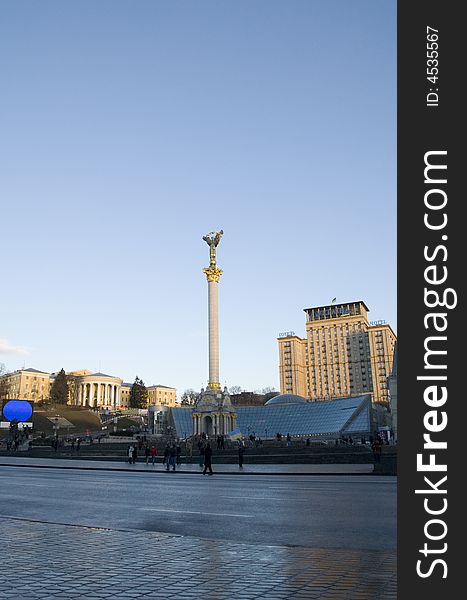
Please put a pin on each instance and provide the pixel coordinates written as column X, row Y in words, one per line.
column 98, row 395
column 213, row 333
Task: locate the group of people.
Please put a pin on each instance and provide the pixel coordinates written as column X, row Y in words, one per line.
column 76, row 444
column 172, row 453
column 150, row 453
column 172, row 456
column 12, row 444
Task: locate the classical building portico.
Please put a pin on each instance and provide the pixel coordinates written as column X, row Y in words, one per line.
column 98, row 390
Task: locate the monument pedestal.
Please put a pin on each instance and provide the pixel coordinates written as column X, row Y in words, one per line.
column 214, row 414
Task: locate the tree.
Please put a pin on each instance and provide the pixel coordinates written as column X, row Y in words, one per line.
column 235, row 389
column 59, row 389
column 189, row 397
column 3, row 382
column 138, row 394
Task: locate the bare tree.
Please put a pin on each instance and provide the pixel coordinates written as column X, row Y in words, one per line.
column 235, row 389
column 3, row 381
column 189, row 397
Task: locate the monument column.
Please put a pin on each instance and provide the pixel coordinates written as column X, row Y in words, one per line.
column 213, row 274
column 213, row 404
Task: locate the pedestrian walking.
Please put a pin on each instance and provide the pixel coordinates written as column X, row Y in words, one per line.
column 78, row 444
column 135, row 454
column 130, row 453
column 153, row 454
column 377, row 449
column 166, row 455
column 201, row 454
column 208, row 459
column 241, row 452
column 288, row 439
column 172, row 457
column 179, row 453
column 189, row 448
column 147, row 453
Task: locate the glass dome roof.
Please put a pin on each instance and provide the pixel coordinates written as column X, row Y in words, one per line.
column 286, row 399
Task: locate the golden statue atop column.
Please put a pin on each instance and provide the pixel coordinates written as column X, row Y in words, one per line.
column 213, row 273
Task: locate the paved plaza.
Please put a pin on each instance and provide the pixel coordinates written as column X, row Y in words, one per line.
column 96, row 534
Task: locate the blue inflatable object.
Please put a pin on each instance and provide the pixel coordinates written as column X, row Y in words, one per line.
column 21, row 410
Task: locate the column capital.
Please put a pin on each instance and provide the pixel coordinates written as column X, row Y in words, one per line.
column 213, row 273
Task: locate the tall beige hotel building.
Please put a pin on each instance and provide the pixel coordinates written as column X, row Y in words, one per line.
column 342, row 355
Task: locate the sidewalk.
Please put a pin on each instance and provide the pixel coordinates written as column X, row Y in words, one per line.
column 53, row 561
column 218, row 468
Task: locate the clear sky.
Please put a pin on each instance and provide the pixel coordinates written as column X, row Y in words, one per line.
column 128, row 130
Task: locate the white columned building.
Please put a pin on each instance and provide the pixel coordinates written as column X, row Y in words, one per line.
column 98, row 390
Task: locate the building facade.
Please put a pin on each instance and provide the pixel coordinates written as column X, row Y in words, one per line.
column 342, row 355
column 26, row 384
column 161, row 395
column 85, row 388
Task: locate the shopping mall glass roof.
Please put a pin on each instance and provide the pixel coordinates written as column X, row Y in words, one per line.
column 326, row 418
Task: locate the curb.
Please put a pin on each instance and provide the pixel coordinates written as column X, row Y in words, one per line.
column 127, row 470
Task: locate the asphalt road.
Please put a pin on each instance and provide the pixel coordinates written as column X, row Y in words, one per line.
column 357, row 512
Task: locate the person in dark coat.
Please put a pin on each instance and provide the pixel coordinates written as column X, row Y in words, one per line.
column 208, row 459
column 179, row 454
column 241, row 452
column 377, row 449
column 166, row 456
column 201, row 453
column 172, row 457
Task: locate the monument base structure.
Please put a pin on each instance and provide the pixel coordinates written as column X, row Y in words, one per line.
column 213, row 413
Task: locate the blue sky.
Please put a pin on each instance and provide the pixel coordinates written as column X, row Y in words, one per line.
column 128, row 130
